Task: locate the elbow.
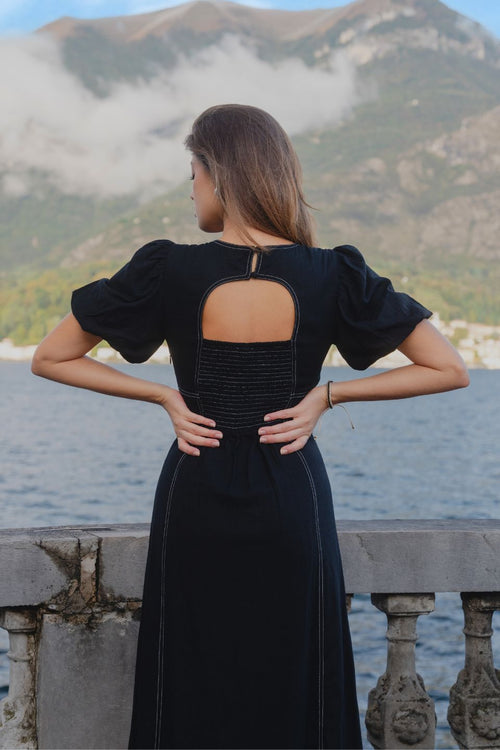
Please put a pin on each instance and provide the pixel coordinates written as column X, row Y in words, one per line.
column 459, row 376
column 38, row 363
column 36, row 366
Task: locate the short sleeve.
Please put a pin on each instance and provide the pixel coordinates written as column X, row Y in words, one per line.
column 127, row 309
column 372, row 318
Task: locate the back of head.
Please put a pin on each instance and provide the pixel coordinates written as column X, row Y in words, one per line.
column 255, row 169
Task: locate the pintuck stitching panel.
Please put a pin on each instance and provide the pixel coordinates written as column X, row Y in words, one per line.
column 240, row 383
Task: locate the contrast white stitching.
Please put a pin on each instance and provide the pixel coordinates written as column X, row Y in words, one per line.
column 320, row 603
column 161, row 639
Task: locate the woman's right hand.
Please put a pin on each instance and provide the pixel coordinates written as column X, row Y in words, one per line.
column 300, row 421
column 191, row 429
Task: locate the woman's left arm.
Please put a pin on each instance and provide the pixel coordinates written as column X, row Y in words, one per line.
column 61, row 357
column 437, row 367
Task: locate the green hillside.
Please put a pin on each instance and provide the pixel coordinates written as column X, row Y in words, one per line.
column 409, row 176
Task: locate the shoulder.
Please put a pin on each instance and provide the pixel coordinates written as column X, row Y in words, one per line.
column 153, row 258
column 144, row 270
column 347, row 255
column 341, row 260
column 163, row 249
column 339, row 253
column 152, row 252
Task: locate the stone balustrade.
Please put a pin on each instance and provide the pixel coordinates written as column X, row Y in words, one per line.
column 70, row 601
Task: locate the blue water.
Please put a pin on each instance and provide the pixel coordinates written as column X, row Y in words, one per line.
column 74, row 457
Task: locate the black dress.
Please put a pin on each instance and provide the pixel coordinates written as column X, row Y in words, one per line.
column 244, row 639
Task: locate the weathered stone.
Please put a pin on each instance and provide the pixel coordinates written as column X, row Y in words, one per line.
column 474, row 711
column 18, row 709
column 122, row 562
column 42, row 565
column 423, row 555
column 89, row 550
column 84, row 581
column 433, row 555
column 85, row 681
column 400, row 713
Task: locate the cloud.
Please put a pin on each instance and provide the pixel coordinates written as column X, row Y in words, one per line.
column 131, row 141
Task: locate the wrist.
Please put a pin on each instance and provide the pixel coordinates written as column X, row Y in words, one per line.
column 331, row 398
column 162, row 394
column 321, row 397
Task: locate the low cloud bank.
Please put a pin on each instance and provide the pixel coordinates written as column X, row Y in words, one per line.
column 131, row 141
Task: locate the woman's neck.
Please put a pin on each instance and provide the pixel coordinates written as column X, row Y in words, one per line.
column 233, row 235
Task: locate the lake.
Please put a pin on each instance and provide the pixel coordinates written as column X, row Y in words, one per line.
column 74, row 457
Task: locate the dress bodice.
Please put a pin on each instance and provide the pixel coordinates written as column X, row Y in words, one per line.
column 160, row 294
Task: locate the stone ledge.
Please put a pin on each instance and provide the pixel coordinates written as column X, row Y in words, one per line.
column 418, row 556
column 384, row 556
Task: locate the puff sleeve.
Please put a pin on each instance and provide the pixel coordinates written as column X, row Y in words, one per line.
column 372, row 319
column 127, row 309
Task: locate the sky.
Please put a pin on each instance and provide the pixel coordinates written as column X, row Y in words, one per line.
column 21, row 16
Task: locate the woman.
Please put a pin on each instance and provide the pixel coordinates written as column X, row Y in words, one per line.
column 244, row 639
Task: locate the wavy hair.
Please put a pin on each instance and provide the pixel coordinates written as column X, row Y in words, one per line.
column 255, row 170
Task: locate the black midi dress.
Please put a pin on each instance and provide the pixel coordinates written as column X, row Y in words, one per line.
column 244, row 640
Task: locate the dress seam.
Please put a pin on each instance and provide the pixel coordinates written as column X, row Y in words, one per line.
column 161, row 640
column 321, row 661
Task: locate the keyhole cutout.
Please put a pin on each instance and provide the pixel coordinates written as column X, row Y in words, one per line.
column 248, row 311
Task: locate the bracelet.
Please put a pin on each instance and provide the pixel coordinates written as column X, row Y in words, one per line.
column 328, row 395
column 331, row 404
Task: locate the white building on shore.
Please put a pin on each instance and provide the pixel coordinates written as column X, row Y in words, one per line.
column 479, row 345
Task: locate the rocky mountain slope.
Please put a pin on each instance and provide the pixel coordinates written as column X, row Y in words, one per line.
column 406, row 166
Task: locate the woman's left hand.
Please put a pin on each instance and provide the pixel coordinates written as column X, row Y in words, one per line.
column 301, row 420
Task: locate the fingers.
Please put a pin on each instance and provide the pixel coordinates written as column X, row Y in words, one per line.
column 281, row 428
column 194, row 439
column 285, row 437
column 283, row 414
column 189, row 443
column 296, row 445
column 184, row 446
column 199, row 419
column 190, row 435
column 185, row 425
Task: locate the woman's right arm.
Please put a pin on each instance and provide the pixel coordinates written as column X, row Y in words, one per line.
column 61, row 357
column 436, row 367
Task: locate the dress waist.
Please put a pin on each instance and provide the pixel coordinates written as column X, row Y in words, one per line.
column 239, row 383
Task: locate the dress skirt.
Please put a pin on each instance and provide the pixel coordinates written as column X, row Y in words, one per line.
column 244, row 640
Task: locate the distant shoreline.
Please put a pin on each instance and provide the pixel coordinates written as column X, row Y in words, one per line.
column 479, row 345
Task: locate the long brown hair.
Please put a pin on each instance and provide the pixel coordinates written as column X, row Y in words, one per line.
column 255, row 169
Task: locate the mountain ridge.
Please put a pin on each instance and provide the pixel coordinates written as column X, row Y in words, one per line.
column 410, row 173
column 205, row 15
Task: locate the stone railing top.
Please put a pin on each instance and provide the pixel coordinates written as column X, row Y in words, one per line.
column 105, row 563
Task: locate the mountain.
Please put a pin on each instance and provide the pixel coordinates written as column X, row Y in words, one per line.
column 393, row 107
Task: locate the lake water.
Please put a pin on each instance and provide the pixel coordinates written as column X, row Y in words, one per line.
column 74, row 457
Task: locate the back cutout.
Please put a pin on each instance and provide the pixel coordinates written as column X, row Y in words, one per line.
column 248, row 311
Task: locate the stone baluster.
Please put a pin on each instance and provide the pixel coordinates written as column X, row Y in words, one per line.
column 18, row 709
column 400, row 713
column 474, row 711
